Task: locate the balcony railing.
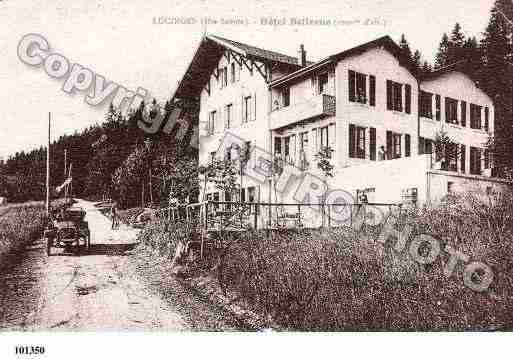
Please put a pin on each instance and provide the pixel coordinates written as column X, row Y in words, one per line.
column 317, row 107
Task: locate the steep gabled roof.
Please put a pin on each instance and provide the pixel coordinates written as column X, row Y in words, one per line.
column 385, row 42
column 252, row 51
column 208, row 54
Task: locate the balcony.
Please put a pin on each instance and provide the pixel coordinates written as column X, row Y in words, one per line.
column 313, row 108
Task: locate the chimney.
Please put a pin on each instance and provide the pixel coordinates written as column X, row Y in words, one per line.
column 301, row 59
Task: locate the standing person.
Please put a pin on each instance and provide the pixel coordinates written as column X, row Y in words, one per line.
column 114, row 215
column 381, row 154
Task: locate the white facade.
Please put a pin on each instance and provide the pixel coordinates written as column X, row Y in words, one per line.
column 295, row 114
column 458, row 86
column 247, row 97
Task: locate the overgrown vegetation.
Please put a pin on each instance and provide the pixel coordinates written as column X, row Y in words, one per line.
column 110, row 160
column 19, row 225
column 342, row 279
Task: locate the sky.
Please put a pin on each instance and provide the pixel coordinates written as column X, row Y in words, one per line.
column 126, row 42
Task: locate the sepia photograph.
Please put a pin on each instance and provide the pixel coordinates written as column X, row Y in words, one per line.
column 291, row 177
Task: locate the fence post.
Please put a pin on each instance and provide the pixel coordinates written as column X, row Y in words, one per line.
column 329, row 215
column 255, row 217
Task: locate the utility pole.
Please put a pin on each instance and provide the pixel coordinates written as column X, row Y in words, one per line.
column 151, row 188
column 48, row 169
column 65, row 173
column 71, row 183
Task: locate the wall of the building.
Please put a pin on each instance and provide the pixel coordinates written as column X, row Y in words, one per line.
column 384, row 66
column 256, row 129
column 442, row 183
column 460, row 87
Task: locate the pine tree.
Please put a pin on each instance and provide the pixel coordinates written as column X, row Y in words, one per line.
column 455, row 50
column 497, row 78
column 405, row 46
column 441, row 57
column 417, row 58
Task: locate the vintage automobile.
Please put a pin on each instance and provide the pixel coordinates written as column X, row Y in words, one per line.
column 68, row 230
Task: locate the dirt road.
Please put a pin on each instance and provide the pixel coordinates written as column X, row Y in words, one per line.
column 97, row 290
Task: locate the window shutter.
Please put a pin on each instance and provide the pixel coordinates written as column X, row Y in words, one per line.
column 332, row 136
column 407, row 141
column 487, row 114
column 462, row 158
column 225, row 116
column 372, row 146
column 389, row 95
column 463, row 113
column 352, row 84
column 254, row 107
column 219, row 119
column 407, row 106
column 372, row 90
column 421, row 145
column 437, row 107
column 352, row 142
column 314, row 140
column 447, row 107
column 242, row 119
column 390, row 144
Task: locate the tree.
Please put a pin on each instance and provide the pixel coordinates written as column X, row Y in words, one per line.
column 405, row 46
column 497, row 77
column 455, row 51
column 324, row 164
column 417, row 58
column 446, row 150
column 441, row 57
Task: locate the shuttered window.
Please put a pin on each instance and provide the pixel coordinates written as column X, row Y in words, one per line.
column 462, row 158
column 389, row 95
column 475, row 116
column 389, row 144
column 475, row 161
column 352, row 85
column 463, row 113
column 372, row 90
column 356, row 141
column 372, row 145
column 426, row 104
column 395, row 96
column 487, row 114
column 407, row 143
column 407, row 105
column 393, row 145
column 358, row 87
column 437, row 107
column 451, row 110
column 352, row 140
column 246, row 109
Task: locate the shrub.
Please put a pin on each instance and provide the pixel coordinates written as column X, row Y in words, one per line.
column 19, row 225
column 336, row 279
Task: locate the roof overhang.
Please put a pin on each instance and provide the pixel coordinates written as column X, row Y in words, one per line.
column 207, row 56
column 384, row 42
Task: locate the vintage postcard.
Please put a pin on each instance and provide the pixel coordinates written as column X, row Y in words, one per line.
column 258, row 168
